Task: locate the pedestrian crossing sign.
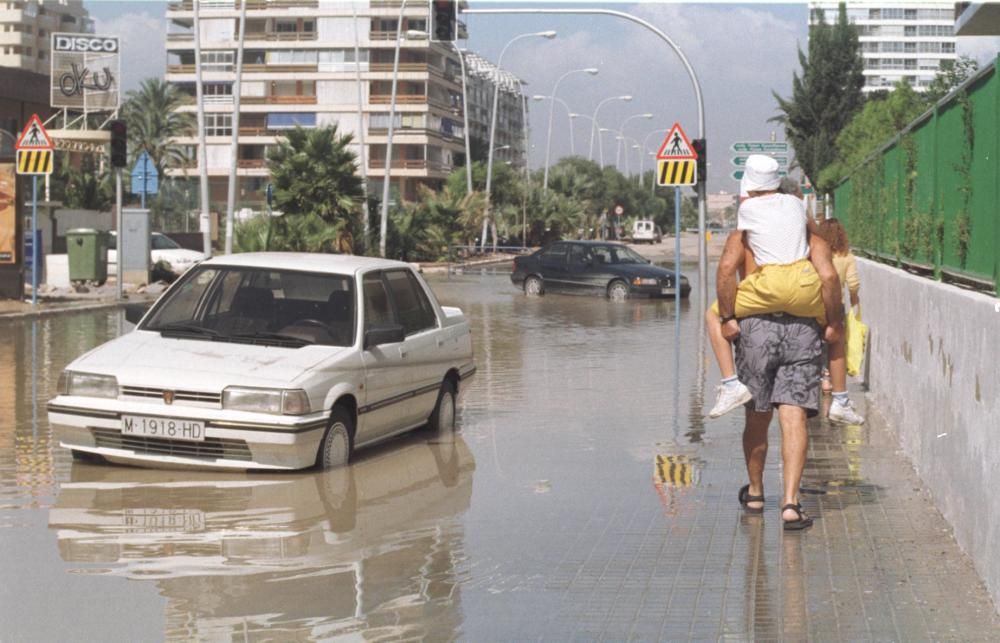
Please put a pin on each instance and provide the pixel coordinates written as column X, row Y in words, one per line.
column 34, row 136
column 37, row 162
column 676, row 146
column 676, row 172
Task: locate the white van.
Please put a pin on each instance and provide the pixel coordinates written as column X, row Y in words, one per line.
column 645, row 231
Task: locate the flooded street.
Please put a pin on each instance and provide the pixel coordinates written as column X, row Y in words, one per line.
column 583, row 497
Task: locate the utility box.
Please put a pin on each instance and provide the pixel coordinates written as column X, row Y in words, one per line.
column 133, row 260
column 88, row 255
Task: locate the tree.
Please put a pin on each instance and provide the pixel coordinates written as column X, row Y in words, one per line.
column 871, row 128
column 154, row 122
column 315, row 172
column 951, row 74
column 87, row 188
column 825, row 96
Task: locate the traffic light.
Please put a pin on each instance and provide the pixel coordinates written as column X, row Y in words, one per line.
column 444, row 20
column 119, row 143
column 702, row 164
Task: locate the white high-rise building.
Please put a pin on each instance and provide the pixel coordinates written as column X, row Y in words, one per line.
column 26, row 30
column 898, row 40
column 299, row 69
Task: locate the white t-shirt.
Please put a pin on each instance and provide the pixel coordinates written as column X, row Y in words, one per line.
column 776, row 228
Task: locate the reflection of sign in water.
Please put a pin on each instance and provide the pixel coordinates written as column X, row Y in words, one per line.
column 8, row 217
column 84, row 72
column 675, row 470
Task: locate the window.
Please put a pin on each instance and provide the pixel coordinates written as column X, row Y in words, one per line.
column 579, row 255
column 218, row 124
column 556, row 252
column 377, row 311
column 412, row 306
column 217, row 61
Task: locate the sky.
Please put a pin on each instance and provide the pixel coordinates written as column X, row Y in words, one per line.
column 741, row 53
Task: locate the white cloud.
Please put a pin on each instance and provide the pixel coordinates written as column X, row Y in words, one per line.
column 739, row 54
column 143, row 37
column 983, row 49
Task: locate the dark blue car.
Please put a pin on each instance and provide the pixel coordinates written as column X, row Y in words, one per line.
column 611, row 269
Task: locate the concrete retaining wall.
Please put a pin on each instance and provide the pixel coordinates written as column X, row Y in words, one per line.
column 934, row 372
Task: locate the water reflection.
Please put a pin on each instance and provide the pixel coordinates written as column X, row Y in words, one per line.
column 372, row 548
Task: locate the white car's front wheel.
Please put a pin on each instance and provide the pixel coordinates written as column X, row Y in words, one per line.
column 335, row 450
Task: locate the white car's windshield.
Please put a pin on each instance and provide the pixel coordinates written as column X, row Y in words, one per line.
column 260, row 306
column 162, row 242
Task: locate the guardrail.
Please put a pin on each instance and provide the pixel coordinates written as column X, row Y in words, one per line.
column 461, row 257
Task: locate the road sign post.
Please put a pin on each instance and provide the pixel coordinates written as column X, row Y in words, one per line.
column 34, row 158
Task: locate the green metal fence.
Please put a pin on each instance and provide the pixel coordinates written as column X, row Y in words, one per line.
column 929, row 200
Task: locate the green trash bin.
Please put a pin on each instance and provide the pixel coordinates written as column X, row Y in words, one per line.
column 88, row 255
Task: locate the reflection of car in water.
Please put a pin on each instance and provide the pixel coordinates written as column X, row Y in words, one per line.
column 364, row 546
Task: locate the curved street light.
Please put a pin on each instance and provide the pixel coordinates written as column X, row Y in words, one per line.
column 570, row 115
column 621, row 130
column 626, row 98
column 593, row 71
column 548, row 35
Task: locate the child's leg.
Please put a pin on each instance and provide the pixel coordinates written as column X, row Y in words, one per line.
column 720, row 345
column 838, row 366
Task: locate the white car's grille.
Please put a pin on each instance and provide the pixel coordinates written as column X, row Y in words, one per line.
column 179, row 396
column 210, row 449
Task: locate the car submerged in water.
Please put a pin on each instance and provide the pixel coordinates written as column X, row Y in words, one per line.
column 610, row 269
column 269, row 361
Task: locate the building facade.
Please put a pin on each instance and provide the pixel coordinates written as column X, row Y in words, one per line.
column 27, row 28
column 898, row 40
column 300, row 68
column 509, row 138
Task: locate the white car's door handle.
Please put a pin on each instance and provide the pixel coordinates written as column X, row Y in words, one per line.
column 402, row 354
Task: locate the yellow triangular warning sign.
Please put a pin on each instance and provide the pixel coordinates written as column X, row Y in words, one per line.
column 34, row 136
column 676, row 146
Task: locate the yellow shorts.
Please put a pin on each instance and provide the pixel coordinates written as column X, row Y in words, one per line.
column 793, row 289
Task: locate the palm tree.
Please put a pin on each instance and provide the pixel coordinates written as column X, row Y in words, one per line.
column 154, row 122
column 315, row 172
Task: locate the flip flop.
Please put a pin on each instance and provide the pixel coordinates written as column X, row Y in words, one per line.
column 802, row 522
column 745, row 498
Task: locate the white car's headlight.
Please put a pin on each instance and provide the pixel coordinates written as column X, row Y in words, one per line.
column 88, row 384
column 264, row 400
column 645, row 281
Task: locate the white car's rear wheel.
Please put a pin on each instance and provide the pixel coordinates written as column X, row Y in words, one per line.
column 335, row 450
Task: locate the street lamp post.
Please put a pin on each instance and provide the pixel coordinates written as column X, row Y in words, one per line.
column 465, row 122
column 642, row 159
column 593, row 71
column 621, row 132
column 600, row 141
column 626, row 98
column 549, row 35
column 384, row 224
column 569, row 114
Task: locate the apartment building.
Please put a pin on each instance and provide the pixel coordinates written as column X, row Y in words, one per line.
column 25, row 35
column 509, row 137
column 300, row 69
column 898, row 40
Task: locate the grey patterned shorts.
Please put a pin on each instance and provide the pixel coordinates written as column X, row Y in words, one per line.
column 779, row 358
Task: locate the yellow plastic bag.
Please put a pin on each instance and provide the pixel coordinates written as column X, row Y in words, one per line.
column 857, row 335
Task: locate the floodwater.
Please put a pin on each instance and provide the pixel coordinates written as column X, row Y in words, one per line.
column 583, row 497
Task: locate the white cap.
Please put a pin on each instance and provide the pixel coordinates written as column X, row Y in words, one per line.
column 759, row 174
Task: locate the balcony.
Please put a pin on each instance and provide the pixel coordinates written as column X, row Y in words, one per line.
column 282, row 36
column 410, row 164
column 234, row 5
column 251, row 164
column 401, row 99
column 403, row 67
column 278, row 100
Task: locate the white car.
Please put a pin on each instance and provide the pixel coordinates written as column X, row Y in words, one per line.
column 162, row 250
column 645, row 231
column 269, row 361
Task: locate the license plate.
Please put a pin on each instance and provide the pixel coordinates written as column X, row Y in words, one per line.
column 163, row 520
column 168, row 428
column 666, row 291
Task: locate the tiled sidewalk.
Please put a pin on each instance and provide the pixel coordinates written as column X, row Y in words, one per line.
column 879, row 564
